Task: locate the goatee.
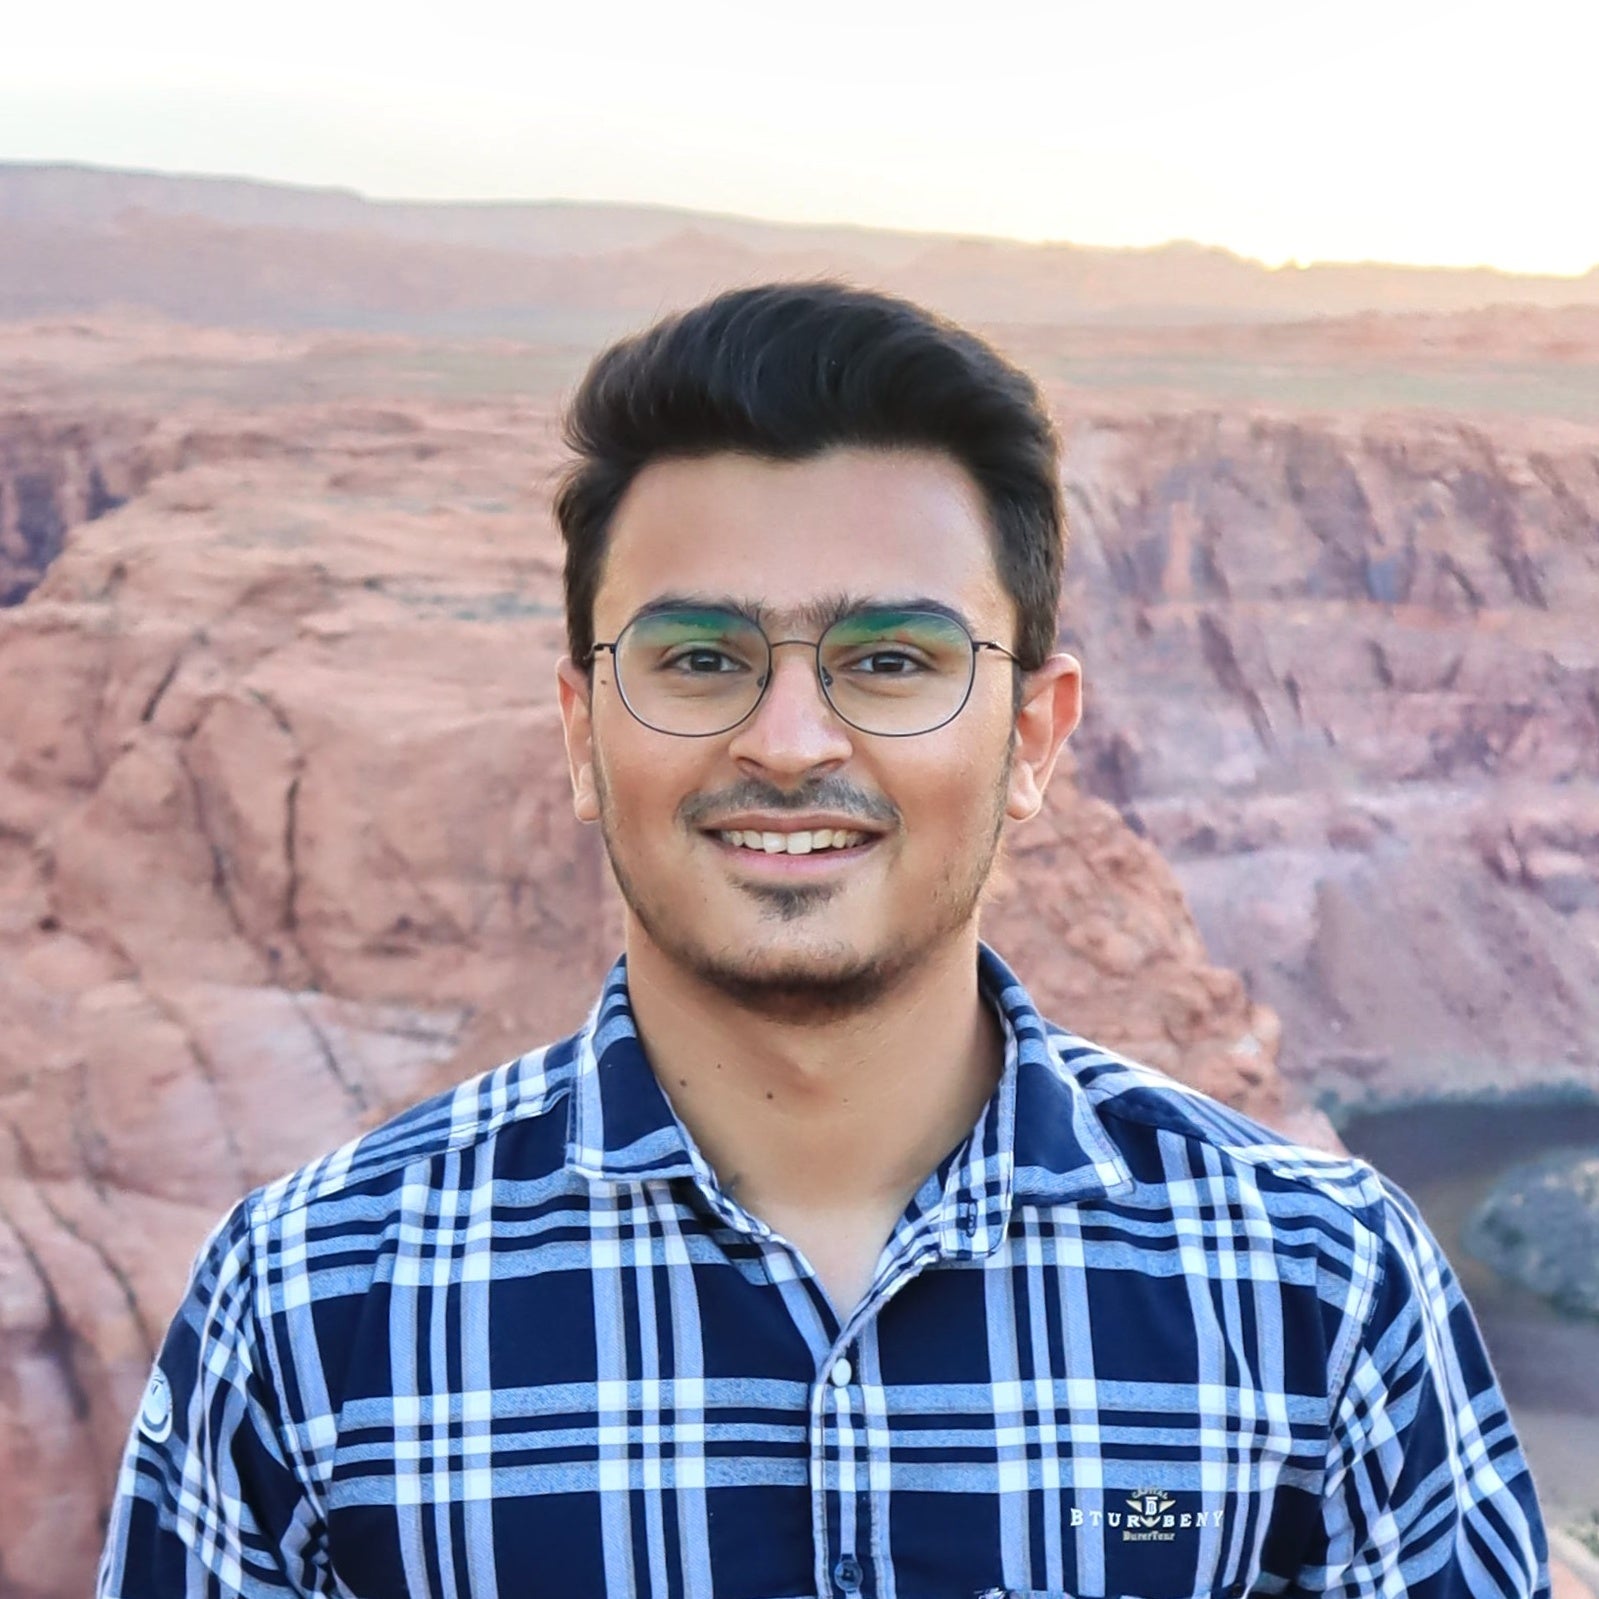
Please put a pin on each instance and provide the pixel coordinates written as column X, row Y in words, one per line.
column 827, row 980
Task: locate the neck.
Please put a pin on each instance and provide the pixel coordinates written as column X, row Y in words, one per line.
column 842, row 1117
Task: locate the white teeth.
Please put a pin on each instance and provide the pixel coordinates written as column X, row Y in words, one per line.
column 798, row 843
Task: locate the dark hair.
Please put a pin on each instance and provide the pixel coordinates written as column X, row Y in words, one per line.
column 789, row 370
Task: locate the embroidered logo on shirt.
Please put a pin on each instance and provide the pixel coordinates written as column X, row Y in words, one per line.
column 155, row 1414
column 1151, row 1516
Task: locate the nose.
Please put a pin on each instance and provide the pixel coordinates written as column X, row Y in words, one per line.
column 793, row 730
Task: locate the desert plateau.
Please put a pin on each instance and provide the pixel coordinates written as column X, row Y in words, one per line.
column 285, row 832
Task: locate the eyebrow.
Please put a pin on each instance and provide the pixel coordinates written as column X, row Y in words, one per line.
column 818, row 614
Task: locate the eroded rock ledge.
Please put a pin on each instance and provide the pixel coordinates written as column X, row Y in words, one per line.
column 286, row 843
column 1345, row 675
column 284, row 840
column 54, row 474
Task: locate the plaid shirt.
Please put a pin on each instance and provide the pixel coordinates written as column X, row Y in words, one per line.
column 519, row 1341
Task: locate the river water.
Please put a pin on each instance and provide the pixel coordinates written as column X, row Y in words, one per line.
column 1447, row 1157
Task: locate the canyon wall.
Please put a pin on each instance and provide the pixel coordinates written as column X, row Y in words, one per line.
column 55, row 473
column 1345, row 675
column 286, row 843
column 285, row 840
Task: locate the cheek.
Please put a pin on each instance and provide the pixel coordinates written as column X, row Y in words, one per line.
column 642, row 778
column 958, row 791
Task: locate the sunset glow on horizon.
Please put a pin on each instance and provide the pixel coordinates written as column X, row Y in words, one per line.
column 1418, row 133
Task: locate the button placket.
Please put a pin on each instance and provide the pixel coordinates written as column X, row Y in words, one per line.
column 838, row 1394
column 853, row 1474
column 841, row 1440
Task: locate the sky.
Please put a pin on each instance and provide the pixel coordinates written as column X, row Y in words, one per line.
column 1407, row 130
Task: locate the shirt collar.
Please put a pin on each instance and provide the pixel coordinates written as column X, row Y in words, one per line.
column 621, row 1127
column 1038, row 1139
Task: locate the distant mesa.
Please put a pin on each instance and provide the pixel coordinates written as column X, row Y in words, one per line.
column 230, row 251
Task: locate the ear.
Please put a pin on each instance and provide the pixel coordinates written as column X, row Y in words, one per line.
column 1052, row 705
column 572, row 688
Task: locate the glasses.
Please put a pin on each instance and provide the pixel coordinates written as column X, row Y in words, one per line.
column 892, row 673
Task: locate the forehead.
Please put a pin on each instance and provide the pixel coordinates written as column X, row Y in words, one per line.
column 790, row 534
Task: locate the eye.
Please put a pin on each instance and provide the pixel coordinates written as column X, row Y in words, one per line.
column 701, row 660
column 888, row 661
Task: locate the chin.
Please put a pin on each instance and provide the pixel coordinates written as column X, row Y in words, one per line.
column 799, row 953
column 817, row 983
column 781, row 971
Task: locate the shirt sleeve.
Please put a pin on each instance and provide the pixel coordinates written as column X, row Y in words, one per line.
column 1427, row 1491
column 207, row 1505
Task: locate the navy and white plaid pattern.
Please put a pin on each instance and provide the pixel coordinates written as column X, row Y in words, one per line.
column 518, row 1341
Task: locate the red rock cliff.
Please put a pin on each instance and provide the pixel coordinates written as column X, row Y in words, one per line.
column 53, row 474
column 286, row 843
column 1346, row 676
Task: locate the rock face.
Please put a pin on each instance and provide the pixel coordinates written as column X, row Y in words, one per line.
column 1345, row 675
column 1540, row 1226
column 286, row 843
column 52, row 476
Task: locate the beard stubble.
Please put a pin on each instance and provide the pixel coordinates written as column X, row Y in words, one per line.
column 821, row 985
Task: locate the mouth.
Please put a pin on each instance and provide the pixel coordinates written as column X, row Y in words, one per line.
column 798, row 850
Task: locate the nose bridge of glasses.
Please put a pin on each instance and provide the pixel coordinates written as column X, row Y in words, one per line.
column 819, row 673
column 790, row 724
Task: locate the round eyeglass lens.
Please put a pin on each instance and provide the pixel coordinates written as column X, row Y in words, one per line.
column 691, row 672
column 897, row 672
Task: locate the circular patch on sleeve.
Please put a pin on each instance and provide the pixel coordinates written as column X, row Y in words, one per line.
column 155, row 1414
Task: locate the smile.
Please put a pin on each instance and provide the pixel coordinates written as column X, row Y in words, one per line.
column 805, row 842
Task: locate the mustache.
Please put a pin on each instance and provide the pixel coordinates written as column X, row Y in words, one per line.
column 826, row 794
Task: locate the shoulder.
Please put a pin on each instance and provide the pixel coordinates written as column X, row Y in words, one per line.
column 1245, row 1200
column 1172, row 1137
column 330, row 1233
column 457, row 1125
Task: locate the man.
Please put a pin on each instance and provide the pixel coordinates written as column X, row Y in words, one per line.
column 817, row 1262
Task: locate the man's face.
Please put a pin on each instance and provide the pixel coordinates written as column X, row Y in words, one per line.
column 808, row 935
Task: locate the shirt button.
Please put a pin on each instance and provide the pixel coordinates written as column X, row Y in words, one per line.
column 847, row 1574
column 843, row 1373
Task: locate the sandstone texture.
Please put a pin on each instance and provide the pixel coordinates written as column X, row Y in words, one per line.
column 1344, row 674
column 53, row 476
column 284, row 833
column 286, row 843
